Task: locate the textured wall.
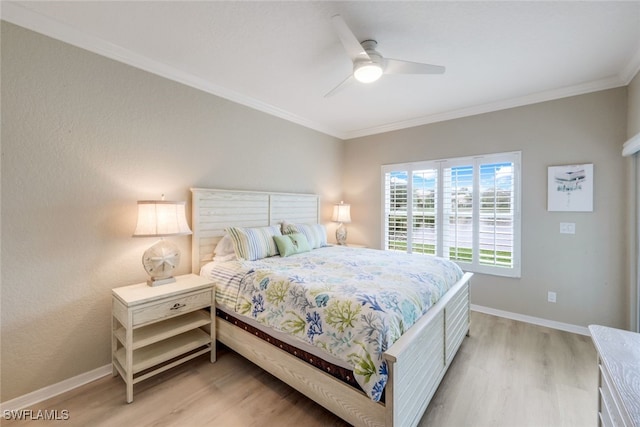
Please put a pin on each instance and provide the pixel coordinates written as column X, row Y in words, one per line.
column 587, row 270
column 83, row 138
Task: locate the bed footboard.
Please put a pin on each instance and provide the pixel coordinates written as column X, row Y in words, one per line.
column 417, row 362
column 419, row 359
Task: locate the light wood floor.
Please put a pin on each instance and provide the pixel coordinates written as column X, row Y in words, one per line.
column 506, row 373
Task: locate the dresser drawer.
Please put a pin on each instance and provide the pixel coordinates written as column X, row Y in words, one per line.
column 618, row 355
column 604, row 415
column 608, row 406
column 172, row 307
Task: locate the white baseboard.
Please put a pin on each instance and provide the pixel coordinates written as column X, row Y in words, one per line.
column 54, row 389
column 82, row 379
column 582, row 330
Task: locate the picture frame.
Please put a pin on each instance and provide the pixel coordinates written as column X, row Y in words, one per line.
column 570, row 188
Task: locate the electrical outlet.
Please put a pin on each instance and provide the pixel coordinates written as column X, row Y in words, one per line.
column 551, row 296
column 567, row 228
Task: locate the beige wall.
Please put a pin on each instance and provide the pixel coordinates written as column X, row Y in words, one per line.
column 633, row 208
column 83, row 138
column 587, row 270
column 633, row 110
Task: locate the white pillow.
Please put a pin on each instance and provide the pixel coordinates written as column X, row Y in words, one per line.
column 224, row 247
column 225, row 258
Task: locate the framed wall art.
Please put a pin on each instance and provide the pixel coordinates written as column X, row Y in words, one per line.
column 570, row 188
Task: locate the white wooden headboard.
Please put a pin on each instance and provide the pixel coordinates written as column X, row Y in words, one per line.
column 214, row 210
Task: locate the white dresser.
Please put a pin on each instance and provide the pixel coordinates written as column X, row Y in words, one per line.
column 619, row 381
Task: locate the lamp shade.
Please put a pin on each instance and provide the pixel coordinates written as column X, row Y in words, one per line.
column 160, row 218
column 341, row 213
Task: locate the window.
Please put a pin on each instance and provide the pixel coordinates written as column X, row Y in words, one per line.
column 464, row 209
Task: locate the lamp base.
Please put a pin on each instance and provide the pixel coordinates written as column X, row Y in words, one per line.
column 341, row 234
column 158, row 282
column 160, row 261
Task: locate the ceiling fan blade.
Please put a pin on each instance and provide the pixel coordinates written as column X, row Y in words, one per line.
column 346, row 82
column 396, row 66
column 349, row 41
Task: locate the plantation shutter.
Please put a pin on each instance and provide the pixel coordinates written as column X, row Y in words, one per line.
column 497, row 214
column 424, row 217
column 457, row 221
column 395, row 210
column 465, row 209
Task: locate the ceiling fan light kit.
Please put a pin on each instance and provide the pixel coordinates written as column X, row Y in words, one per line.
column 370, row 69
column 367, row 72
column 368, row 63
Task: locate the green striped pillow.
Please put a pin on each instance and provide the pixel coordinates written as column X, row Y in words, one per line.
column 254, row 243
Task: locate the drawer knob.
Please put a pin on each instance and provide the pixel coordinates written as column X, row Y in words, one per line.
column 177, row 306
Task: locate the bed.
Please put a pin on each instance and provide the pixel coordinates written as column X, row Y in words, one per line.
column 413, row 365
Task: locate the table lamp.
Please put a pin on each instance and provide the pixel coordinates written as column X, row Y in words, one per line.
column 161, row 218
column 341, row 214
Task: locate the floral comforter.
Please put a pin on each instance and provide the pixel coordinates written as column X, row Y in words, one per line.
column 351, row 303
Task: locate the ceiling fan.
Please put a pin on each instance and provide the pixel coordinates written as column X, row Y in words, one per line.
column 368, row 63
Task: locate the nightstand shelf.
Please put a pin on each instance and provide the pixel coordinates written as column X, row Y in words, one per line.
column 157, row 328
column 162, row 330
column 159, row 352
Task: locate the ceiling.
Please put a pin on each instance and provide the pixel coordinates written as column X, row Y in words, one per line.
column 283, row 57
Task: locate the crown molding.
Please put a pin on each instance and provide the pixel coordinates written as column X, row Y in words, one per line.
column 632, row 68
column 24, row 17
column 632, row 146
column 604, row 84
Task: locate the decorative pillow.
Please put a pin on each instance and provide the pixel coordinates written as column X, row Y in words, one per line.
column 254, row 243
column 289, row 228
column 316, row 234
column 290, row 244
column 224, row 247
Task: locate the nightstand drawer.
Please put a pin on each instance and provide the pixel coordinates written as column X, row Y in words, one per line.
column 172, row 307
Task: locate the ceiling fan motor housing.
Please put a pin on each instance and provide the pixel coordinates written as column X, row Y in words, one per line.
column 367, row 70
column 369, row 47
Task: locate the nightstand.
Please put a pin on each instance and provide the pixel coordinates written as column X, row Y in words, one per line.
column 157, row 328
